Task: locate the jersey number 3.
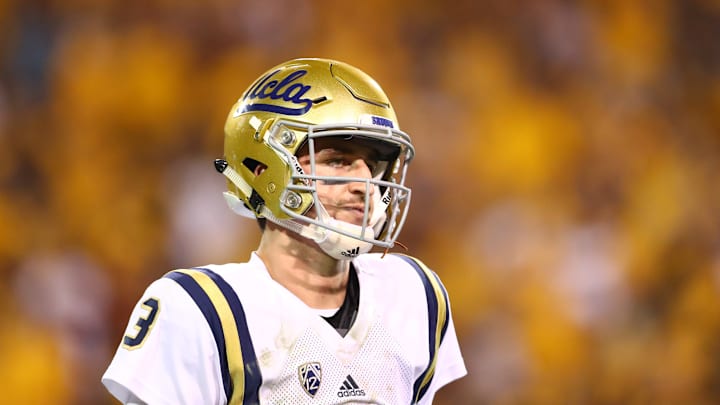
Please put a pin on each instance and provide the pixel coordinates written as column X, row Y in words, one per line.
column 143, row 325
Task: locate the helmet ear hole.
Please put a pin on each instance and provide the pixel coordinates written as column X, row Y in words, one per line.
column 254, row 166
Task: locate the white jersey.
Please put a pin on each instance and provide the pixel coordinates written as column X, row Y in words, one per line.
column 230, row 334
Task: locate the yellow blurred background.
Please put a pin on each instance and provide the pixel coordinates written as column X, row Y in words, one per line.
column 566, row 183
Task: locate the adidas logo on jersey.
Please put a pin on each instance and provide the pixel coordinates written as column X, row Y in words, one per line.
column 349, row 388
column 351, row 252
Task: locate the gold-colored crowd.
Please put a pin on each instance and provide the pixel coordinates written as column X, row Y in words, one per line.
column 565, row 188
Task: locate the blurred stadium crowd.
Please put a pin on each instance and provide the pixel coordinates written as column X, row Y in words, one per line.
column 566, row 186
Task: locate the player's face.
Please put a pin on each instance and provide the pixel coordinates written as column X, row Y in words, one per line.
column 344, row 201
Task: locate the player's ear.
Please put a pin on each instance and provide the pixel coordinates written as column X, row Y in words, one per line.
column 255, row 167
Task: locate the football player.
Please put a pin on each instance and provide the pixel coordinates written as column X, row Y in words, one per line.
column 313, row 150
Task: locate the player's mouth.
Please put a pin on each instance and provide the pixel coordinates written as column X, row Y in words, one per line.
column 354, row 213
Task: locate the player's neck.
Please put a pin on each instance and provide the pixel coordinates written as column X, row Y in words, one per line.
column 301, row 267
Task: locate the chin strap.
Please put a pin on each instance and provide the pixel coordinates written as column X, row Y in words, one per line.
column 336, row 244
column 339, row 245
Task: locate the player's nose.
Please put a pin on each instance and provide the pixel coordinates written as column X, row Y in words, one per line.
column 360, row 169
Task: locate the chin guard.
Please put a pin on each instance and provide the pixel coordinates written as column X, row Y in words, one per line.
column 344, row 247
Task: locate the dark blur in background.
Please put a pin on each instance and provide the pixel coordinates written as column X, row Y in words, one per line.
column 566, row 185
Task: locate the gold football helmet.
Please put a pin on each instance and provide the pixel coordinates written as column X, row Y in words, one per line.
column 287, row 109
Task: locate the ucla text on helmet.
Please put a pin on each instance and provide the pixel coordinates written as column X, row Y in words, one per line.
column 288, row 89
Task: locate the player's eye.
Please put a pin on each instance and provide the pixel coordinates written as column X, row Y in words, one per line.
column 338, row 161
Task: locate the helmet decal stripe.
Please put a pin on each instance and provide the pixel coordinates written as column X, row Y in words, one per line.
column 276, row 109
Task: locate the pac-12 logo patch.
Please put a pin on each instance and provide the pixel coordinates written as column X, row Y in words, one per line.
column 310, row 375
